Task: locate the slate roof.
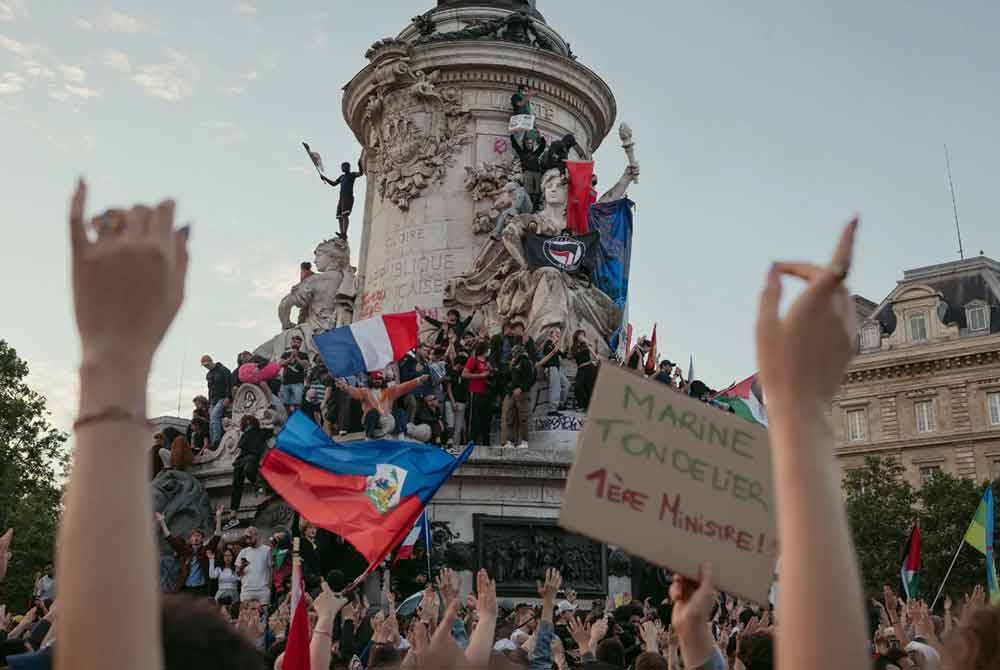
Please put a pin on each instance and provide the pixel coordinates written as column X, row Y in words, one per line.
column 959, row 282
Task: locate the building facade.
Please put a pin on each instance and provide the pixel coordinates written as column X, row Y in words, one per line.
column 925, row 386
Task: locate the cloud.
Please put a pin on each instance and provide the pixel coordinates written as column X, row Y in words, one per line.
column 73, row 73
column 116, row 60
column 266, row 278
column 235, row 90
column 117, row 22
column 12, row 9
column 60, row 386
column 226, row 132
column 83, row 24
column 36, row 63
column 10, row 83
column 89, row 142
column 81, row 91
column 18, row 48
column 297, row 168
column 171, row 81
column 246, row 9
column 319, row 40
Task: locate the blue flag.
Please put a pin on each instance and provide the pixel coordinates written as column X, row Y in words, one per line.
column 613, row 221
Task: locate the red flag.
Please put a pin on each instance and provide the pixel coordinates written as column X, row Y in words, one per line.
column 628, row 339
column 297, row 642
column 651, row 356
column 579, row 196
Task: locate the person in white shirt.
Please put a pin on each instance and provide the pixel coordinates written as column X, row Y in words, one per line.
column 229, row 581
column 253, row 567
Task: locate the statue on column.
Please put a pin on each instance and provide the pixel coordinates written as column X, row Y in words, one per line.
column 325, row 299
column 501, row 280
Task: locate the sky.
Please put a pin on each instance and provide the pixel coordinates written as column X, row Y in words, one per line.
column 760, row 128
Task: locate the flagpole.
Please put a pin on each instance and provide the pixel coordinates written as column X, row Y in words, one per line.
column 427, row 531
column 947, row 574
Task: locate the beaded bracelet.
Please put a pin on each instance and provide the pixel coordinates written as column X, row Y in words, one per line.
column 113, row 413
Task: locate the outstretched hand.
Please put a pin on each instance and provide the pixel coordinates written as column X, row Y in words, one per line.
column 128, row 283
column 804, row 355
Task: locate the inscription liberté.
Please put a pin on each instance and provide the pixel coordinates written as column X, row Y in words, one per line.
column 627, row 437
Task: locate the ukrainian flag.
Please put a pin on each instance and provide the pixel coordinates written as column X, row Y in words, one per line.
column 980, row 536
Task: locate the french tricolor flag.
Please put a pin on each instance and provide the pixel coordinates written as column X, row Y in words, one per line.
column 421, row 531
column 367, row 345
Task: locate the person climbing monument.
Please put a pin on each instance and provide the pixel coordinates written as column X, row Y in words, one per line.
column 530, row 154
column 558, row 154
column 520, row 102
column 346, row 202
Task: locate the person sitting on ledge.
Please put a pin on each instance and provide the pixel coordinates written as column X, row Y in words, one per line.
column 377, row 401
column 260, row 370
column 428, row 422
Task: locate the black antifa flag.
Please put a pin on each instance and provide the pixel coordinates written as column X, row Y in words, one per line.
column 575, row 254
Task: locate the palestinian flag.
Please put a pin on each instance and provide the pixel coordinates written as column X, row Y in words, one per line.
column 746, row 399
column 910, row 572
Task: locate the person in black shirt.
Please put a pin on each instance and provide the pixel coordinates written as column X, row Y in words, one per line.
column 251, row 447
column 453, row 323
column 530, row 154
column 293, row 375
column 346, row 202
column 218, row 379
column 457, row 393
column 551, row 367
column 428, row 422
column 586, row 369
column 516, row 408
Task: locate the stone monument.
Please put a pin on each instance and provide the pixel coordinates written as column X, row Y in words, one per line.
column 432, row 111
column 434, row 103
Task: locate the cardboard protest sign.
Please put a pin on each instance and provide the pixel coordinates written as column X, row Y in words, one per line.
column 522, row 122
column 676, row 482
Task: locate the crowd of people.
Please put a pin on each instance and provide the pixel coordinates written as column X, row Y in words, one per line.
column 128, row 284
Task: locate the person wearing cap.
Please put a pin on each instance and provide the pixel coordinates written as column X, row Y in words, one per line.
column 377, row 402
column 665, row 373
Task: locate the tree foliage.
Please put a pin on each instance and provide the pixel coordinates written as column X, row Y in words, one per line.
column 32, row 459
column 882, row 508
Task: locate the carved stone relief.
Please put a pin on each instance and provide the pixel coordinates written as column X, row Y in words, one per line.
column 516, row 551
column 413, row 127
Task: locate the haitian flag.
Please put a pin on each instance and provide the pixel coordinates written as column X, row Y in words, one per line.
column 569, row 253
column 612, row 221
column 370, row 493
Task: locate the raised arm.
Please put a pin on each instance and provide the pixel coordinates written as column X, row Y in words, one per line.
column 161, row 521
column 803, row 358
column 355, row 393
column 332, row 182
column 127, row 288
column 408, row 387
column 541, row 654
column 327, row 605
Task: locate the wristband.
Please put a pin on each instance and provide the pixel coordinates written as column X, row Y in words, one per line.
column 113, row 413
